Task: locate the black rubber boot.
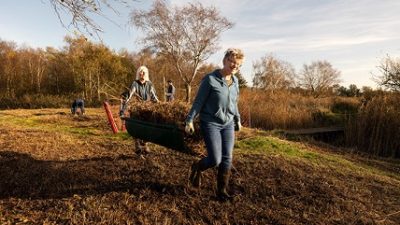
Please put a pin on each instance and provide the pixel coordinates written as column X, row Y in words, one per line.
column 222, row 184
column 195, row 174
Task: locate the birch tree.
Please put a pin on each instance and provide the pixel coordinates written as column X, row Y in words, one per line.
column 187, row 35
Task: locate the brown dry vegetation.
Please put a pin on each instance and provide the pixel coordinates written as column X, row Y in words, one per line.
column 375, row 129
column 169, row 113
column 285, row 110
column 59, row 169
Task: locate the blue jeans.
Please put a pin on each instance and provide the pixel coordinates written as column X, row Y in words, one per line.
column 219, row 140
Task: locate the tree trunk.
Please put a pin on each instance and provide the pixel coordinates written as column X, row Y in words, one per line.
column 85, row 93
column 57, row 81
column 188, row 92
column 90, row 85
column 165, row 91
column 39, row 75
column 98, row 87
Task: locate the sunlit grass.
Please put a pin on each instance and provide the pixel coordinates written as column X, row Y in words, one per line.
column 268, row 145
column 50, row 120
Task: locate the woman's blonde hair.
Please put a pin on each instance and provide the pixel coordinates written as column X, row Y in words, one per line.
column 234, row 52
column 146, row 73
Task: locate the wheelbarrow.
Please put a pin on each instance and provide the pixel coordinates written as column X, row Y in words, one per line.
column 167, row 135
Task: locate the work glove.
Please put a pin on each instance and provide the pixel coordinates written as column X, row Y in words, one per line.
column 189, row 128
column 121, row 113
column 238, row 125
column 122, row 108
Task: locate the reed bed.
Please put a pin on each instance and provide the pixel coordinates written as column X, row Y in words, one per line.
column 376, row 128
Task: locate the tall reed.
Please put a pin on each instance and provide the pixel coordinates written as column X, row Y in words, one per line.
column 376, row 128
column 283, row 110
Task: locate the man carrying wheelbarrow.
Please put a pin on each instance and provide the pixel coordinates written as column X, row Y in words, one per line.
column 142, row 89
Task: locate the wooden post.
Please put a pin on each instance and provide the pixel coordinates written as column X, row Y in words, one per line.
column 110, row 117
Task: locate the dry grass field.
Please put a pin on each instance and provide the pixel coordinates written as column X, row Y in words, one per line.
column 59, row 169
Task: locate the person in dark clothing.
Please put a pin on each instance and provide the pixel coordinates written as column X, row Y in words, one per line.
column 78, row 103
column 170, row 91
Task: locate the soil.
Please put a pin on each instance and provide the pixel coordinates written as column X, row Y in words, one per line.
column 55, row 175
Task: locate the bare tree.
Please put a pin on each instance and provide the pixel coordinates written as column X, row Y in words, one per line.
column 272, row 74
column 9, row 65
column 82, row 11
column 319, row 77
column 187, row 35
column 36, row 65
column 390, row 69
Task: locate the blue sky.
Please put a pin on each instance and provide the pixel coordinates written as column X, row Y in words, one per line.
column 353, row 35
